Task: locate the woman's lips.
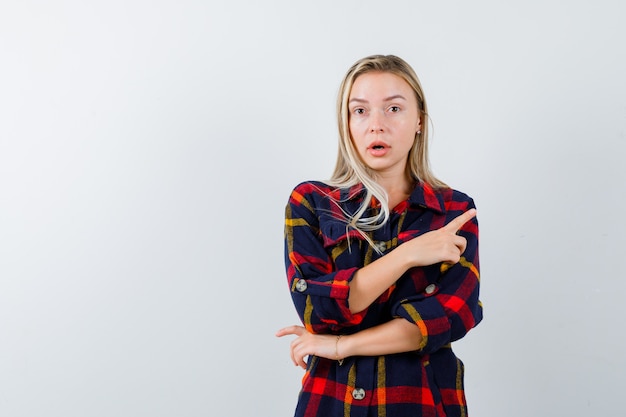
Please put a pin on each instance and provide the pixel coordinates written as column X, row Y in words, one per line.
column 378, row 149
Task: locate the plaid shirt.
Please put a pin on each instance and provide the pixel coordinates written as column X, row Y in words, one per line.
column 321, row 257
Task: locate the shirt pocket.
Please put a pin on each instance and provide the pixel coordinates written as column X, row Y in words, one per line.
column 344, row 245
column 336, row 232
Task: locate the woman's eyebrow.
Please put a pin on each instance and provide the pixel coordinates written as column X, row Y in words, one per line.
column 390, row 98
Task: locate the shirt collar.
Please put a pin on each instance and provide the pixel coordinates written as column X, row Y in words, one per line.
column 354, row 193
column 423, row 195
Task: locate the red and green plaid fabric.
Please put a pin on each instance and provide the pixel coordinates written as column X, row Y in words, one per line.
column 322, row 255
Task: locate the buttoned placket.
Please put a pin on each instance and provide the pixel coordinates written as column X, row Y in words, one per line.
column 364, row 386
column 382, row 237
column 365, row 378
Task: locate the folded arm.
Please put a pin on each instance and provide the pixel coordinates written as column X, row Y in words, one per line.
column 395, row 336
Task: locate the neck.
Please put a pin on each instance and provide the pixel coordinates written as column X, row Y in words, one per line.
column 398, row 188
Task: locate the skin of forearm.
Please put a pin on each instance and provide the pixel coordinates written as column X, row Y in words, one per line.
column 373, row 279
column 395, row 336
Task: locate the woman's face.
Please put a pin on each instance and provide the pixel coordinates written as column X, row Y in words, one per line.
column 383, row 121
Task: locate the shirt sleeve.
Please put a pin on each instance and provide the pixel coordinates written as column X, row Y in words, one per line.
column 446, row 310
column 319, row 291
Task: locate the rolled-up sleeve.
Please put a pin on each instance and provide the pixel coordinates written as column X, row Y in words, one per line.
column 448, row 308
column 319, row 291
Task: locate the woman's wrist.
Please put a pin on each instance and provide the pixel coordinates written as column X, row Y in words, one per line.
column 403, row 257
column 338, row 356
column 344, row 346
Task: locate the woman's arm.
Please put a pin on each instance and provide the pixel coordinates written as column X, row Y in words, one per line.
column 395, row 336
column 441, row 245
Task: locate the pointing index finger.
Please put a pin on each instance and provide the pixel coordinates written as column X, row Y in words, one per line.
column 460, row 220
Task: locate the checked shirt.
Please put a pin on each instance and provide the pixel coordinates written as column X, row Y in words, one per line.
column 322, row 255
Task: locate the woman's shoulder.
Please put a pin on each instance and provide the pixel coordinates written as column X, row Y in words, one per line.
column 452, row 198
column 312, row 191
column 322, row 194
column 320, row 188
column 454, row 194
column 312, row 187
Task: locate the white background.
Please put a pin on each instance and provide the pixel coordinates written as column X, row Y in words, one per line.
column 147, row 149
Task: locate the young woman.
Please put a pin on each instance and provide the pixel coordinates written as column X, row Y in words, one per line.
column 382, row 261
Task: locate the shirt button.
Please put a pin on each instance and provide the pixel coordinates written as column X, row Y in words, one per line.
column 358, row 393
column 301, row 285
column 430, row 289
column 382, row 246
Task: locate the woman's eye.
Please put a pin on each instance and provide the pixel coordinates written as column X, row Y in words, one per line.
column 359, row 111
column 394, row 109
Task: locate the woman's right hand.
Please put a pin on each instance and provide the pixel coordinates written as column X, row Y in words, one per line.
column 441, row 245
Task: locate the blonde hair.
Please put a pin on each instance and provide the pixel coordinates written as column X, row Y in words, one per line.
column 350, row 169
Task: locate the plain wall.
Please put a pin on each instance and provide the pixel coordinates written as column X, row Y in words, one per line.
column 147, row 150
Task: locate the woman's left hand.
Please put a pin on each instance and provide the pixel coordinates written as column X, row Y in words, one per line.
column 306, row 344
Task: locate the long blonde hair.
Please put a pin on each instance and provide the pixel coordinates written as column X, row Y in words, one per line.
column 350, row 170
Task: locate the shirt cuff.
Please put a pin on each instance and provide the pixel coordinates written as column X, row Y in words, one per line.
column 429, row 316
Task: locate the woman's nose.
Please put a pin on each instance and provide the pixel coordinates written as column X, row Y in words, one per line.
column 376, row 123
